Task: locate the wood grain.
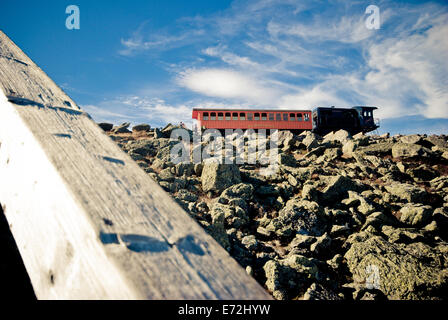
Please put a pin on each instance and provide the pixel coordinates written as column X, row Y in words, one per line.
column 89, row 223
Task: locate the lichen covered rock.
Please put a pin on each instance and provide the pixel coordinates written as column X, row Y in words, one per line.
column 217, row 177
column 401, row 271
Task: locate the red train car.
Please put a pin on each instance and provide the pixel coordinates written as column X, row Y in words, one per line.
column 296, row 120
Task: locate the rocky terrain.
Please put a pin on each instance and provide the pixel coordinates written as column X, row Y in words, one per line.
column 355, row 218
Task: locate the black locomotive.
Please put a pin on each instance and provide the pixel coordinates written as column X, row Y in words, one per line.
column 354, row 120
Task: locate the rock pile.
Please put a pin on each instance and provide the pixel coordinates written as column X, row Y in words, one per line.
column 362, row 217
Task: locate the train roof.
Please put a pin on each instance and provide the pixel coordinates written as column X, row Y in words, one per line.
column 365, row 107
column 253, row 110
column 344, row 109
column 355, row 107
column 282, row 110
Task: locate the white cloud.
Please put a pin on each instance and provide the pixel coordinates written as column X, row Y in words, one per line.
column 309, row 99
column 99, row 113
column 406, row 74
column 246, row 63
column 224, row 83
column 141, row 41
column 405, row 70
column 415, row 66
column 231, row 58
column 348, row 29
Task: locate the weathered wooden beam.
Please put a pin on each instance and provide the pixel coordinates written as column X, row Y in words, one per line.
column 89, row 223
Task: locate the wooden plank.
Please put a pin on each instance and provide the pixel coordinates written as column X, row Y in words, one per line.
column 89, row 223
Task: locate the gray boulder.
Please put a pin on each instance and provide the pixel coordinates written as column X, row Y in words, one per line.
column 411, row 139
column 164, row 154
column 439, row 183
column 187, row 195
column 310, row 192
column 415, row 214
column 329, row 155
column 301, row 241
column 288, row 278
column 299, row 217
column 284, row 138
column 378, row 219
column 241, row 190
column 310, row 141
column 249, row 242
column 338, row 187
column 217, row 229
column 186, row 169
column 349, row 147
column 318, row 292
column 166, row 175
column 322, row 245
column 216, row 177
column 157, row 133
column 422, row 173
column 437, row 141
column 402, row 235
column 407, row 150
column 233, row 216
column 268, row 191
column 377, row 149
column 400, row 271
column 287, row 160
column 141, row 128
column 122, row 128
column 341, row 136
column 407, row 192
column 142, row 147
column 106, row 126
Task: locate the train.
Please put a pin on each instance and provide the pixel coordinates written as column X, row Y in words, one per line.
column 320, row 120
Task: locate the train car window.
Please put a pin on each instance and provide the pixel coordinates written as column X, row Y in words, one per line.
column 285, row 117
column 299, row 117
column 278, row 117
column 264, row 116
column 220, row 116
column 292, row 117
column 234, row 116
column 256, row 116
column 242, row 116
column 271, row 117
column 227, row 115
column 205, row 116
column 249, row 116
column 306, row 117
column 213, row 116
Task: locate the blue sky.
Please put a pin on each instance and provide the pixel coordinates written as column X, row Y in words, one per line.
column 153, row 61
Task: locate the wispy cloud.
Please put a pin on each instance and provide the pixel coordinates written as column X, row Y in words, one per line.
column 144, row 39
column 139, row 109
column 349, row 29
column 225, row 83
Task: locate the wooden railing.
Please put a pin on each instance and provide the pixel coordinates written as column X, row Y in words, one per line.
column 88, row 222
